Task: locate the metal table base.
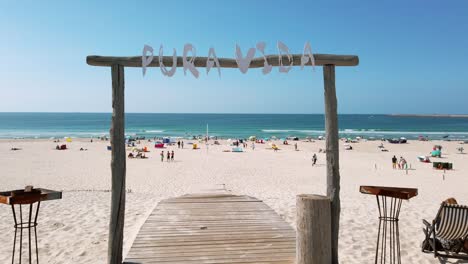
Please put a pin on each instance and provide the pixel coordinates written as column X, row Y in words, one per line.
column 388, row 238
column 29, row 223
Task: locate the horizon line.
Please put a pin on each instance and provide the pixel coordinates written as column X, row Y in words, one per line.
column 233, row 113
column 219, row 113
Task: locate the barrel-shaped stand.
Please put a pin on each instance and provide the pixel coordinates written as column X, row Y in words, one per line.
column 389, row 203
column 388, row 238
column 28, row 223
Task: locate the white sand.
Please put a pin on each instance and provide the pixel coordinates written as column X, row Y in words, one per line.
column 74, row 229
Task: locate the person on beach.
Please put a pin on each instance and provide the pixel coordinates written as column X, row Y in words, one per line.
column 314, row 159
column 394, row 162
column 168, row 156
column 182, row 144
column 295, row 146
column 172, row 156
column 178, row 144
column 449, row 243
column 162, row 156
column 253, row 145
column 403, row 164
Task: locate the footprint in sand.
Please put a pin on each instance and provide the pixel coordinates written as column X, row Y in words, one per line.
column 58, row 225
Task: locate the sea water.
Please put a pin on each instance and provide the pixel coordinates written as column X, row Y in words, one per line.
column 57, row 125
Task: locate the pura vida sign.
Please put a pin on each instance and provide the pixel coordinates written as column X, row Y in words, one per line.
column 243, row 61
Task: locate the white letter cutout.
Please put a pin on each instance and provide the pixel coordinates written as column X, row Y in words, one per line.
column 266, row 67
column 189, row 64
column 244, row 63
column 144, row 60
column 163, row 67
column 284, row 48
column 212, row 60
column 304, row 59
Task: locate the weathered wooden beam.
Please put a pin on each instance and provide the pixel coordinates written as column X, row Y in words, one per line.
column 313, row 242
column 320, row 60
column 118, row 167
column 332, row 152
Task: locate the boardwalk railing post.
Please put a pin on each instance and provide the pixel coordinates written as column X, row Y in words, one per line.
column 332, row 152
column 118, row 167
column 313, row 242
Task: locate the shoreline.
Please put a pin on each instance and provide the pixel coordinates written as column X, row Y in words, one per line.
column 430, row 115
column 76, row 227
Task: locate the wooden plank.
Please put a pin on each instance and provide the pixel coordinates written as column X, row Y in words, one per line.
column 118, row 167
column 332, row 155
column 138, row 243
column 135, row 61
column 213, row 229
column 226, row 246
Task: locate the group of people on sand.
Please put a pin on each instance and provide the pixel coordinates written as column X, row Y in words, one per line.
column 402, row 163
column 169, row 156
column 139, row 155
column 180, row 144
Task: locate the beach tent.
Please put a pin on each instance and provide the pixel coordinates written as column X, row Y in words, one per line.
column 118, row 157
column 436, row 153
column 69, row 139
column 252, row 138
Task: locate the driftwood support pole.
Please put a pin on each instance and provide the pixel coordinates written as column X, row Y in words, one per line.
column 313, row 242
column 118, row 167
column 332, row 152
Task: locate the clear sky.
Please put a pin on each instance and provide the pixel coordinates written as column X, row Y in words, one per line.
column 413, row 55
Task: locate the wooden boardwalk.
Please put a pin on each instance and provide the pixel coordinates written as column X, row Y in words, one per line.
column 214, row 228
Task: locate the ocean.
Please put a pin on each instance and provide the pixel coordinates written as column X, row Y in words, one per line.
column 58, row 125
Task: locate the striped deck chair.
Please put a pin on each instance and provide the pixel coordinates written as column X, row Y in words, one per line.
column 447, row 233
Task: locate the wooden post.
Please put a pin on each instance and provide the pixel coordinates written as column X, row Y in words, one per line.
column 332, row 152
column 313, row 242
column 117, row 137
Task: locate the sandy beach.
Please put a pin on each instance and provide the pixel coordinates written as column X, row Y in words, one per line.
column 75, row 228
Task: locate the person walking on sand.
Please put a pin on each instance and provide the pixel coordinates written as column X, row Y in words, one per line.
column 178, row 144
column 314, row 159
column 162, row 156
column 400, row 163
column 394, row 162
column 253, row 145
column 295, row 146
column 172, row 156
column 182, row 144
column 168, row 156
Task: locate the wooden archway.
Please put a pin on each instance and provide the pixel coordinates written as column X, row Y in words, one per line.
column 117, row 132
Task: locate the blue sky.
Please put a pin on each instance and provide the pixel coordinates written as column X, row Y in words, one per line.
column 413, row 55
